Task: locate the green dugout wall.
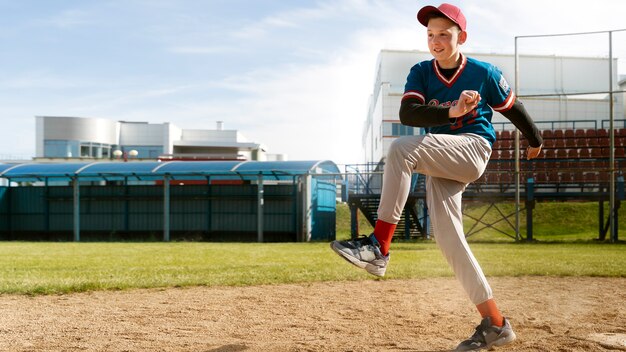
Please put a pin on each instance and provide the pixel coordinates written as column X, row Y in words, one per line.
column 200, row 200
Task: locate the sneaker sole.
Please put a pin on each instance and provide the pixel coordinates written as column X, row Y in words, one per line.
column 372, row 269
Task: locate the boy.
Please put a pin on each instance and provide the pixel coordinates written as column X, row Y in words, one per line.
column 453, row 96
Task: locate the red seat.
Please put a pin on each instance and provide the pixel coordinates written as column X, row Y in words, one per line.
column 506, row 134
column 547, row 134
column 553, row 177
column 592, row 142
column 568, row 133
column 572, row 153
column 584, row 153
column 591, row 177
column 602, row 133
column 571, row 142
column 579, row 133
column 558, row 134
column 550, row 154
column 596, row 152
column 559, row 143
column 566, row 177
column 548, row 143
column 590, row 133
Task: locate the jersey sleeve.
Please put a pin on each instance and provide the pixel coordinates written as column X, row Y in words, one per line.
column 501, row 96
column 415, row 85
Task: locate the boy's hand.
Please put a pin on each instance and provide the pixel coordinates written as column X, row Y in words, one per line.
column 468, row 100
column 532, row 152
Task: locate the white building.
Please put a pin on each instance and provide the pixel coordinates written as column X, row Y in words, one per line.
column 539, row 75
column 95, row 138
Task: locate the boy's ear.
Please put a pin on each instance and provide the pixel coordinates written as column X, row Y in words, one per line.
column 462, row 37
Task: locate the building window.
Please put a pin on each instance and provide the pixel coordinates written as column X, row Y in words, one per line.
column 398, row 129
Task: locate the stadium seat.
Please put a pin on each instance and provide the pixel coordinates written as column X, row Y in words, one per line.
column 619, row 152
column 558, row 134
column 506, row 134
column 584, row 153
column 571, row 142
column 553, row 177
column 559, row 143
column 492, row 178
column 596, row 152
column 590, row 133
column 540, row 177
column 581, row 142
column 579, row 133
column 591, row 177
column 572, row 153
column 550, row 154
column 602, row 133
column 592, row 142
column 566, row 177
column 546, row 134
column 505, row 144
column 568, row 133
column 548, row 143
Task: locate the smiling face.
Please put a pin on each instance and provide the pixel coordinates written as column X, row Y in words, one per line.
column 444, row 39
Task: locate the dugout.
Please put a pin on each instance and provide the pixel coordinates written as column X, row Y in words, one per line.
column 277, row 201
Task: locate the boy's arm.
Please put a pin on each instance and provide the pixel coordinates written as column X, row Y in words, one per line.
column 414, row 113
column 520, row 118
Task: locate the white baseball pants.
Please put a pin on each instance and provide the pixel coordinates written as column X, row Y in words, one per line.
column 449, row 162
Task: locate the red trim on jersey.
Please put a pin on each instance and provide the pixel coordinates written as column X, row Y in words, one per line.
column 507, row 104
column 450, row 82
column 413, row 94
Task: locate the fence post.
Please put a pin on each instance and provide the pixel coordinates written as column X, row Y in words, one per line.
column 166, row 208
column 260, row 202
column 76, row 196
column 530, row 205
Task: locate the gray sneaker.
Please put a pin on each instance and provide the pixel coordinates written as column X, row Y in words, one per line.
column 487, row 336
column 363, row 252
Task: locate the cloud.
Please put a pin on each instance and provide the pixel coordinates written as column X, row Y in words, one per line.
column 68, row 19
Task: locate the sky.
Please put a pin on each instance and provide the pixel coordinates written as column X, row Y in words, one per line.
column 293, row 75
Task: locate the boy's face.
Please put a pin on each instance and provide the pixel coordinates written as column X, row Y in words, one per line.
column 444, row 39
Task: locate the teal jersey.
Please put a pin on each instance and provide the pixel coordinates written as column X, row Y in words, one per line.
column 427, row 84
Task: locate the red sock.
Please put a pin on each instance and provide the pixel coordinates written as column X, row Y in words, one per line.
column 383, row 231
column 489, row 309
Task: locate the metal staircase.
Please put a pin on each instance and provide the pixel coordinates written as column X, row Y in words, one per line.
column 364, row 195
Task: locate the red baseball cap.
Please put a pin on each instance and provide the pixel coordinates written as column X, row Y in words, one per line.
column 452, row 12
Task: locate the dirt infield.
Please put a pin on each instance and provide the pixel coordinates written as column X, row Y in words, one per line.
column 548, row 314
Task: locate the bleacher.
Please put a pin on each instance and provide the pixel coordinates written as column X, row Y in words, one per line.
column 571, row 160
column 573, row 166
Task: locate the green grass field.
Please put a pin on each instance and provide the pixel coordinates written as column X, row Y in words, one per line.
column 51, row 268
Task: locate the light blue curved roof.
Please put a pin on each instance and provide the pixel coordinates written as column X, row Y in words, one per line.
column 158, row 170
